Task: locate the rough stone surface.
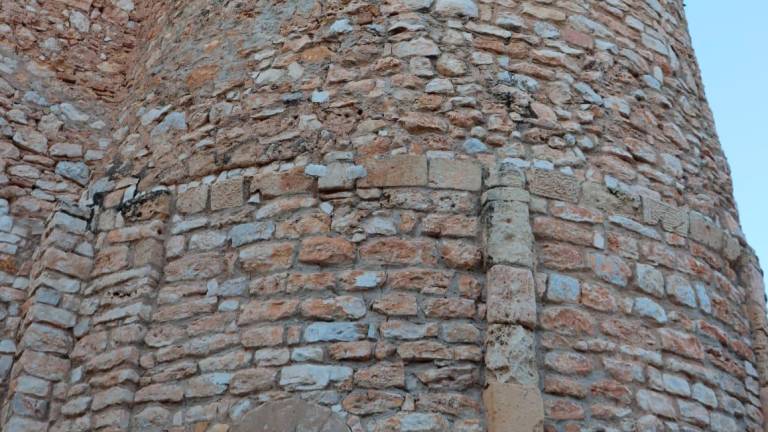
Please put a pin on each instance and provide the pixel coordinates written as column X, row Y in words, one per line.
column 291, row 414
column 371, row 216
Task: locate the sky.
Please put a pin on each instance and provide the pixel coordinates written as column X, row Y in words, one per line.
column 731, row 43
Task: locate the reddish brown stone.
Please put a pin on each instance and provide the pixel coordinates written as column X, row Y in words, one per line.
column 398, row 251
column 567, row 321
column 681, row 343
column 403, row 170
column 265, row 257
column 268, row 310
column 326, row 251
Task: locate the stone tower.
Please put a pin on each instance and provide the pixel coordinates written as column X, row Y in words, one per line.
column 368, row 216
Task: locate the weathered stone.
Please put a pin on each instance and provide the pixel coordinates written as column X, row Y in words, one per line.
column 611, row 269
column 704, row 231
column 31, row 140
column 251, row 232
column 341, row 203
column 268, row 310
column 396, row 171
column 292, row 414
column 454, row 174
column 509, row 239
column 650, row 280
column 227, row 193
column 554, row 184
column 466, row 8
column 563, row 289
column 417, row 122
column 312, row 377
column 672, row 219
column 656, row 403
column 75, row 171
column 648, row 308
column 679, row 288
column 249, row 380
column 398, row 251
column 265, row 257
column 511, row 296
column 416, row 47
column 334, row 332
column 326, row 251
column 510, row 354
column 335, row 308
column 191, row 267
column 513, row 407
column 193, row 199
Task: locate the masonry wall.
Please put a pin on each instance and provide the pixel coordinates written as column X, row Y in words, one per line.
column 416, row 215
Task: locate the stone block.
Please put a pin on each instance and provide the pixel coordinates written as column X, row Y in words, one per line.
column 462, row 8
column 340, row 176
column 46, row 366
column 195, row 267
column 251, row 232
column 294, row 414
column 67, row 263
column 282, row 183
column 672, row 219
column 510, row 354
column 151, row 206
column 268, row 310
column 506, row 174
column 250, row 380
column 326, row 251
column 455, row 174
column 335, row 308
column 267, row 256
column 706, row 232
column 460, row 254
column 418, row 123
column 563, row 289
column 416, row 47
column 649, row 279
column 46, row 339
column 396, row 304
column 554, row 184
column 513, row 407
column 508, row 235
column 391, row 251
column 680, row 343
column 611, row 269
column 511, row 296
column 260, row 337
column 335, row 332
column 227, row 193
column 192, row 200
column 312, row 377
column 402, row 170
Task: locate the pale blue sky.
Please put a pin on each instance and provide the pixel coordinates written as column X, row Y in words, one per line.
column 731, row 43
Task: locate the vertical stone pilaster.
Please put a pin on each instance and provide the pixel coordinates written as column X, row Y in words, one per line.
column 116, row 312
column 40, row 376
column 512, row 397
column 752, row 278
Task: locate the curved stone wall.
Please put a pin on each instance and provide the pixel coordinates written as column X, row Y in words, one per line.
column 423, row 215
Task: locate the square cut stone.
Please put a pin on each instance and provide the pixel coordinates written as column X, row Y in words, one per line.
column 401, row 170
column 513, row 407
column 554, row 184
column 192, row 200
column 511, row 296
column 455, row 174
column 227, row 194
